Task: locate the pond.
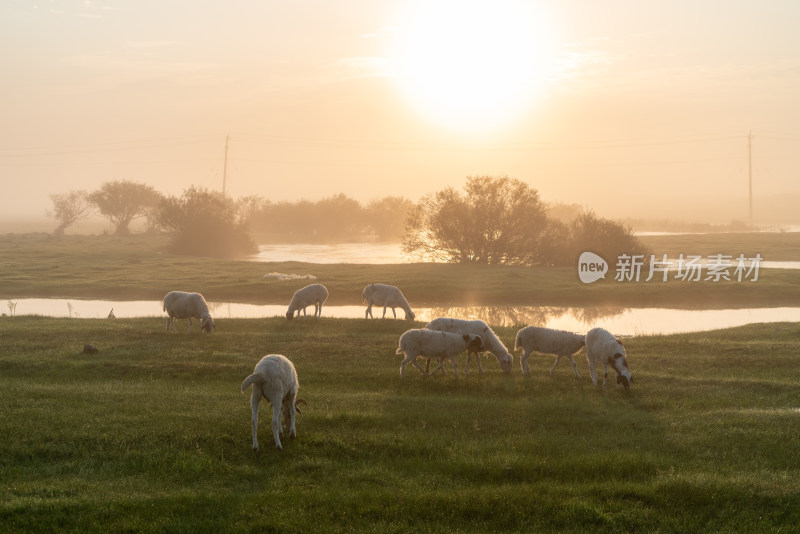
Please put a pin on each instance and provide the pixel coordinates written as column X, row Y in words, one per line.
column 621, row 321
column 382, row 253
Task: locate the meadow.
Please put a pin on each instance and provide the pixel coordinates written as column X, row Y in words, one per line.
column 153, row 434
column 139, row 268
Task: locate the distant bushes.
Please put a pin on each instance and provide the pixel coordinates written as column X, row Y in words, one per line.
column 206, row 223
column 336, row 219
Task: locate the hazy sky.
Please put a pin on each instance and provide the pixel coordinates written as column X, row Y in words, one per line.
column 624, row 106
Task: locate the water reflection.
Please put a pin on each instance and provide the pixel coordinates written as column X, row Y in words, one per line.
column 521, row 315
column 621, row 321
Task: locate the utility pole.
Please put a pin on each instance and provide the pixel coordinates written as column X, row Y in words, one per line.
column 750, row 172
column 225, row 167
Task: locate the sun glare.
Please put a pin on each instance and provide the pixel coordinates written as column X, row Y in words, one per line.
column 473, row 65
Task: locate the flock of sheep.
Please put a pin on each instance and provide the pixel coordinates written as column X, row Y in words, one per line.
column 275, row 377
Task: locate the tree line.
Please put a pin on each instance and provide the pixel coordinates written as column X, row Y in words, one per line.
column 494, row 220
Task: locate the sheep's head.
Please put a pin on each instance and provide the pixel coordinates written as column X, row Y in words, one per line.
column 474, row 343
column 410, row 315
column 207, row 325
column 621, row 367
column 506, row 363
column 289, row 315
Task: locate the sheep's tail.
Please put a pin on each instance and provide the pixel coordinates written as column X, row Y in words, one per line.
column 249, row 380
column 297, row 404
column 517, row 345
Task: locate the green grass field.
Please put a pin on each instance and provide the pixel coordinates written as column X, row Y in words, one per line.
column 153, row 434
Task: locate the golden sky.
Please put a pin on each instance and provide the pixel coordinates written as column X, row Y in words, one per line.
column 622, row 106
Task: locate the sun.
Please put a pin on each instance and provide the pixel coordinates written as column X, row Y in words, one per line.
column 473, row 65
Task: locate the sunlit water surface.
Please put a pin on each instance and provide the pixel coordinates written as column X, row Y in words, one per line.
column 621, row 321
column 383, row 253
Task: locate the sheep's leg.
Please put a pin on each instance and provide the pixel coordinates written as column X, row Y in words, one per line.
column 558, row 359
column 368, row 313
column 574, row 367
column 440, row 366
column 455, row 367
column 384, row 313
column 276, row 424
column 318, row 310
column 523, row 361
column 289, row 415
column 605, row 374
column 478, row 358
column 169, row 323
column 292, row 414
column 255, row 399
column 413, row 361
column 190, row 323
column 394, row 313
column 592, row 369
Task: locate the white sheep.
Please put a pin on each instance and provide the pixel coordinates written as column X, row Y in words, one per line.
column 476, row 327
column 548, row 341
column 315, row 294
column 275, row 379
column 182, row 305
column 602, row 347
column 386, row 296
column 432, row 344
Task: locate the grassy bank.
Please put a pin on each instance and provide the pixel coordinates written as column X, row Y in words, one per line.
column 138, row 267
column 152, row 434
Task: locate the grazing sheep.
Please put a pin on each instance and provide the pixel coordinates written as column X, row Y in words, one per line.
column 315, row 294
column 491, row 342
column 386, row 296
column 602, row 347
column 180, row 305
column 548, row 341
column 274, row 378
column 441, row 345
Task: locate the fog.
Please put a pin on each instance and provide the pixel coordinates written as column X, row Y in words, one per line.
column 641, row 110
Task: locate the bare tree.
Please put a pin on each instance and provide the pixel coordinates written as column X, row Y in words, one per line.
column 122, row 202
column 69, row 208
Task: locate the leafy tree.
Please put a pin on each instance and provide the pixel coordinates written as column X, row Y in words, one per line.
column 497, row 220
column 206, row 223
column 501, row 220
column 69, row 208
column 122, row 202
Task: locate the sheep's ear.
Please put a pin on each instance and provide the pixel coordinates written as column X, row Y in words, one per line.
column 618, row 341
column 617, row 356
column 466, row 337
